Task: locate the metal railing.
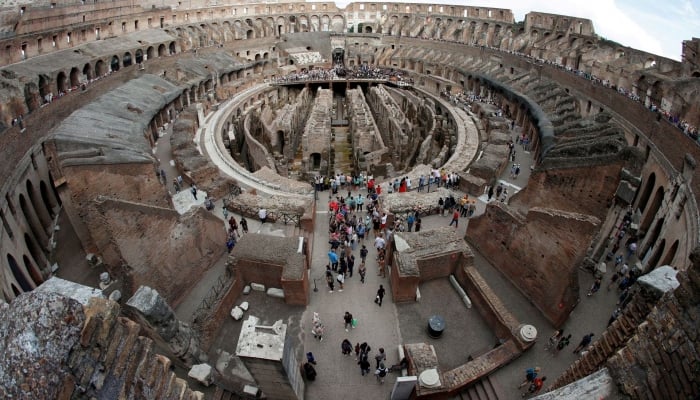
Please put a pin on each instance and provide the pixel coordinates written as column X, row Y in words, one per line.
column 214, row 295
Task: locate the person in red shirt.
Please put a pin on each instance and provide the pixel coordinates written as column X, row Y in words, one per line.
column 535, row 386
column 379, row 189
column 455, row 218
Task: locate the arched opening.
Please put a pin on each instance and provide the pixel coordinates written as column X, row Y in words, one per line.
column 172, row 48
column 151, row 52
column 651, row 239
column 61, row 82
column 161, row 51
column 654, row 260
column 280, row 141
column 114, row 64
column 33, row 272
column 39, row 209
column 651, row 182
column 139, row 56
column 87, row 72
column 315, row 160
column 44, row 86
column 100, row 68
column 15, row 290
column 74, row 77
column 368, row 29
column 671, row 254
column 34, row 225
column 249, row 34
column 127, row 59
column 48, row 201
column 696, row 74
column 649, row 63
column 18, row 275
column 653, row 209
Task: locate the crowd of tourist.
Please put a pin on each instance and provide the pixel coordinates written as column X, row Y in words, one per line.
column 340, row 72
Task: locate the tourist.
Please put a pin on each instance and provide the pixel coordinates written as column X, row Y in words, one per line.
column 351, row 264
column 380, row 295
column 333, row 260
column 530, row 375
column 382, row 266
column 441, row 206
column 380, row 357
column 364, row 366
column 595, row 287
column 341, row 279
column 194, row 191
column 535, row 386
column 346, row 347
column 455, row 218
column 410, row 220
column 262, row 214
column 362, row 271
column 244, row 225
column 563, row 342
column 418, row 224
column 359, row 202
column 584, row 342
column 381, row 372
column 347, row 318
column 329, row 279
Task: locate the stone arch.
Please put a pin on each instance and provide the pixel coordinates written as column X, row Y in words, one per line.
column 44, row 85
column 34, row 273
column 19, row 275
column 39, row 208
column 172, row 48
column 74, row 77
column 161, row 50
column 368, row 29
column 671, row 254
column 652, row 238
column 338, row 24
column 100, row 68
column 138, row 56
column 654, row 260
column 47, row 199
column 250, row 34
column 649, row 63
column 114, row 63
column 15, row 291
column 30, row 217
column 151, row 52
column 653, row 209
column 651, row 182
column 88, row 72
column 126, row 59
column 61, row 82
column 315, row 161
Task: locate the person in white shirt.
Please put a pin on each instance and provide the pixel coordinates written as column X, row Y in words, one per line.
column 262, row 214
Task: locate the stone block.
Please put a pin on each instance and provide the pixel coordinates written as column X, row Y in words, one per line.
column 250, row 390
column 246, row 289
column 275, row 292
column 115, row 295
column 244, row 306
column 237, row 313
column 202, row 373
column 257, row 287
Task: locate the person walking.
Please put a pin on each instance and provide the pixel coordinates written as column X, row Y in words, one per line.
column 380, row 295
column 455, row 218
column 347, row 318
column 364, row 365
column 381, row 372
column 563, row 342
column 333, row 260
column 244, row 225
column 535, row 386
column 530, row 375
column 362, row 271
column 194, row 191
column 584, row 342
column 329, row 279
column 418, row 224
column 341, row 279
column 346, row 347
column 380, row 357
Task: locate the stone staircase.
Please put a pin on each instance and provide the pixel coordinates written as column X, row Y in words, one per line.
column 485, row 389
column 343, row 151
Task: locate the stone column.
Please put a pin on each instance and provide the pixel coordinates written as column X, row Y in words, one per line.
column 155, row 315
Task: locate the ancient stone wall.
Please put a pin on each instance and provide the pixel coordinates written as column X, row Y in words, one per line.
column 539, row 252
column 317, row 132
column 156, row 247
column 366, row 137
column 80, row 352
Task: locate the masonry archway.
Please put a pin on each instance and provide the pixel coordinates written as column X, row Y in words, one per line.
column 61, row 82
column 161, row 51
column 114, row 64
column 671, row 254
column 44, row 88
column 100, row 68
column 172, row 48
column 33, row 272
column 654, row 260
column 32, row 219
column 88, row 72
column 653, row 209
column 315, row 160
column 648, row 188
column 74, row 77
column 47, row 199
column 138, row 56
column 41, row 212
column 19, row 276
column 126, row 60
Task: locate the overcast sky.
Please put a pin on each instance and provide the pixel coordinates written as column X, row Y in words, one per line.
column 656, row 26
